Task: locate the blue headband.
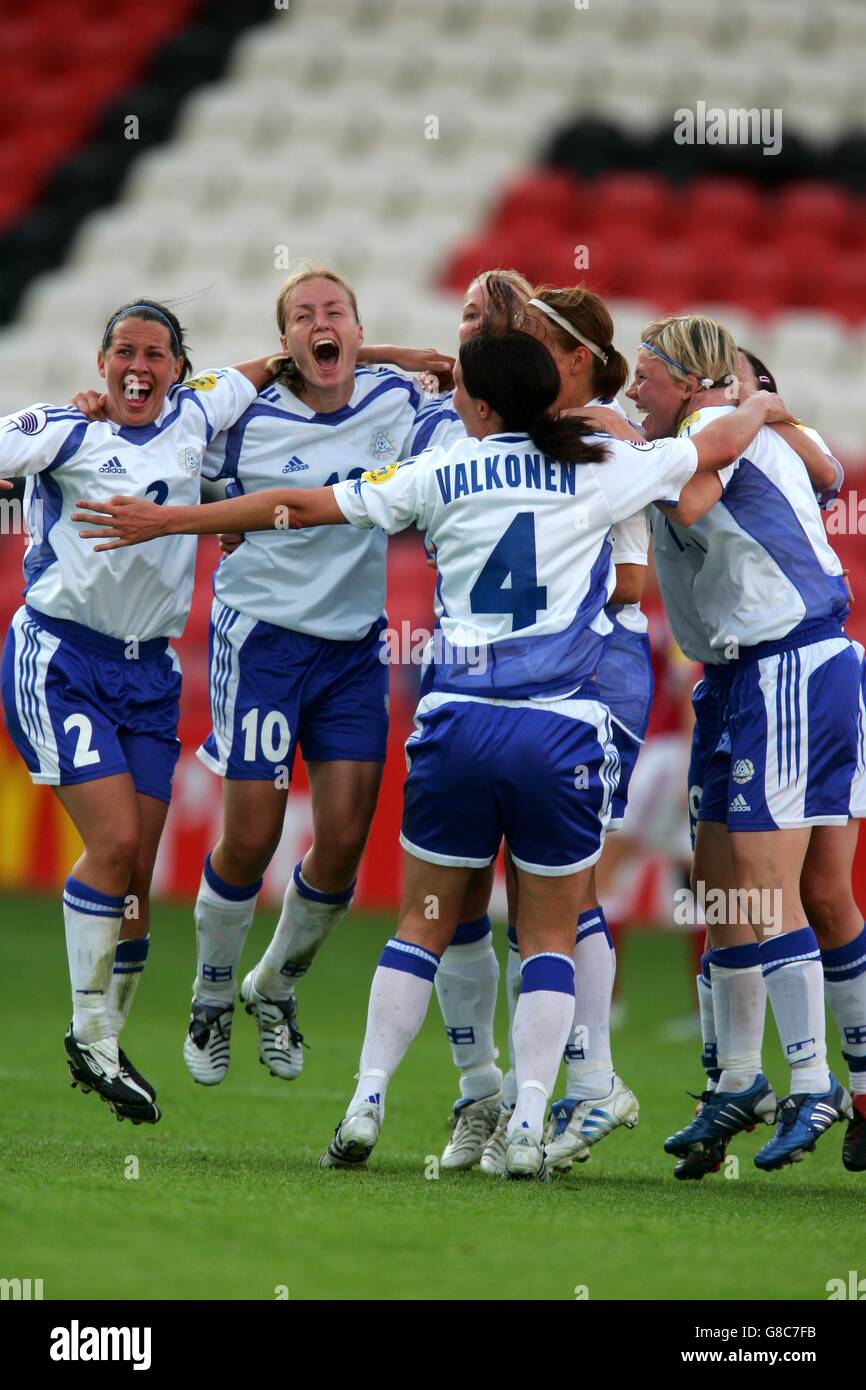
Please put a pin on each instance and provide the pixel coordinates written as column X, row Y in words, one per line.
column 705, row 381
column 129, row 313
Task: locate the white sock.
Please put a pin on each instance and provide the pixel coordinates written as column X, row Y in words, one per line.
column 512, row 994
column 795, row 987
column 399, row 997
column 129, row 960
column 306, row 921
column 466, row 989
column 92, row 921
column 845, row 988
column 589, row 1069
column 709, row 1054
column 543, row 1021
column 223, row 917
column 739, row 1006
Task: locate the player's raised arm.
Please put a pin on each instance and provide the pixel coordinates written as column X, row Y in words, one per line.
column 132, row 520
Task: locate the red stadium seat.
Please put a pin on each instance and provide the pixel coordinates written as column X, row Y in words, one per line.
column 814, row 209
column 541, row 193
column 734, row 203
column 641, row 201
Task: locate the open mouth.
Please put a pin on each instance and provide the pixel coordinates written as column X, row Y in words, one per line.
column 326, row 352
column 136, row 392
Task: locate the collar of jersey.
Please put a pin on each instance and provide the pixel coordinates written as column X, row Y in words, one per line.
column 696, row 415
column 142, row 434
column 507, row 439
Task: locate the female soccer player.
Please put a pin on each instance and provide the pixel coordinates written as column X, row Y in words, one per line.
column 757, row 581
column 825, row 882
column 508, row 743
column 90, row 682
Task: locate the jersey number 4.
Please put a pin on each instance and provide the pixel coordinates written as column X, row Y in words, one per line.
column 508, row 582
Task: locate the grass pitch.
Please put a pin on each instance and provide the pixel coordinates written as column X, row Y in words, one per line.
column 229, row 1201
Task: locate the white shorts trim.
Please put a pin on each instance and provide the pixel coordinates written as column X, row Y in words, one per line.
column 559, row 870
column 448, row 861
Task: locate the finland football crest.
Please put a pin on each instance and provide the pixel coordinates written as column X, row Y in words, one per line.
column 743, row 771
column 189, row 460
column 381, row 446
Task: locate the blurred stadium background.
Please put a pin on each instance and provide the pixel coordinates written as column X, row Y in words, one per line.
column 189, row 150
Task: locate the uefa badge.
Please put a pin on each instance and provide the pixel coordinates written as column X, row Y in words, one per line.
column 743, row 771
column 189, row 460
column 381, row 446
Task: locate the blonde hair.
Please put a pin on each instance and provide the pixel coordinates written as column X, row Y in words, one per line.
column 588, row 313
column 696, row 346
column 511, row 277
column 283, row 367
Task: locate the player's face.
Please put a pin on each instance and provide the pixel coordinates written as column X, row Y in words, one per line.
column 473, row 308
column 322, row 333
column 139, row 366
column 656, row 393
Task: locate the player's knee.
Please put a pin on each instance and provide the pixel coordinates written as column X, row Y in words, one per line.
column 341, row 848
column 118, row 856
column 247, row 853
column 827, row 904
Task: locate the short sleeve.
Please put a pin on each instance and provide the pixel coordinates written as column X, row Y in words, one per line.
column 386, row 497
column 221, row 396
column 639, row 472
column 631, row 539
column 41, row 437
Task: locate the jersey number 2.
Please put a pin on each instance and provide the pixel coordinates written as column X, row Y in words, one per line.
column 508, row 582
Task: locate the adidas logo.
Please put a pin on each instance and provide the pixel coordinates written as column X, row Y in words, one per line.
column 739, row 803
column 113, row 466
column 295, row 465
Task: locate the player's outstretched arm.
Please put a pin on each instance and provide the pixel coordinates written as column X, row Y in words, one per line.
column 132, row 520
column 421, row 361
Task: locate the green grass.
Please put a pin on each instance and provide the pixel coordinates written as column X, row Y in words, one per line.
column 230, row 1203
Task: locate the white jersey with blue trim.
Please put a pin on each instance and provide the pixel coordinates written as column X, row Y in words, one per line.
column 326, row 583
column 758, row 565
column 144, row 591
column 523, row 549
column 438, row 425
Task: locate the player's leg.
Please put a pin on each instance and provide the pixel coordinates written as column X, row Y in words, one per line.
column 466, row 984
column 253, row 814
column 493, row 1154
column 399, row 998
column 105, row 813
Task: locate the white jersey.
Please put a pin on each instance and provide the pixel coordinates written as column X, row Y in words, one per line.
column 758, row 565
column 329, row 582
column 523, row 550
column 144, row 591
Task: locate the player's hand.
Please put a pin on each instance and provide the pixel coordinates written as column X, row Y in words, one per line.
column 605, row 420
column 123, row 521
column 91, row 403
column 430, row 552
column 427, row 362
column 777, row 413
column 230, row 540
column 4, row 483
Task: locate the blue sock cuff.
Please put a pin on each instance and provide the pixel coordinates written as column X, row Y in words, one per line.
column 313, row 894
column 133, row 950
column 705, row 968
column 549, row 971
column 82, row 898
column 468, row 932
column 846, row 962
column 591, row 923
column 412, row 959
column 735, row 957
column 788, row 948
column 229, row 891
column 512, row 937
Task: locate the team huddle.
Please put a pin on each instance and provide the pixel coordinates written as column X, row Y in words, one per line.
column 539, row 501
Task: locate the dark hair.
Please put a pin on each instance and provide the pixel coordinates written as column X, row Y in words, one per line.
column 517, row 377
column 588, row 313
column 762, row 371
column 151, row 312
column 504, row 308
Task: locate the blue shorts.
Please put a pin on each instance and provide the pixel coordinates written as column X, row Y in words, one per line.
column 80, row 705
column 788, row 754
column 271, row 689
column 628, row 749
column 710, row 703
column 540, row 775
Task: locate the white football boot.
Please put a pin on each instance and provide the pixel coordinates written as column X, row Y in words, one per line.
column 575, row 1125
column 493, row 1157
column 354, row 1139
column 473, row 1122
column 206, row 1045
column 524, row 1158
column 281, row 1046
